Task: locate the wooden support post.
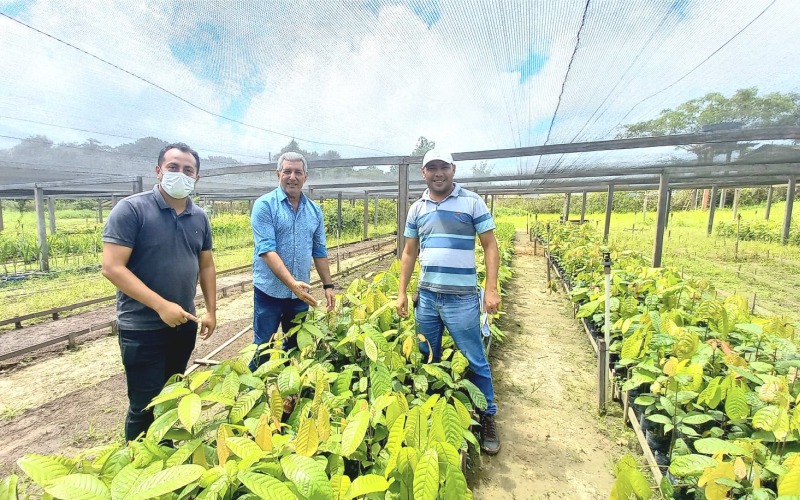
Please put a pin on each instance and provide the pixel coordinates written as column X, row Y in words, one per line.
column 669, row 207
column 609, row 208
column 352, row 202
column 644, row 207
column 338, row 216
column 769, row 202
column 402, row 207
column 137, row 185
column 706, row 194
column 567, row 200
column 722, row 198
column 51, row 214
column 376, row 214
column 100, row 210
column 366, row 215
column 583, row 207
column 787, row 217
column 491, row 209
column 696, row 199
column 115, row 200
column 661, row 217
column 1, row 215
column 711, row 209
column 736, row 193
column 41, row 230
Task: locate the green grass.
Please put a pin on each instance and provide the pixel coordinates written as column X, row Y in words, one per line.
column 770, row 271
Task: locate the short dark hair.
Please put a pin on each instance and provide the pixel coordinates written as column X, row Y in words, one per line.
column 182, row 147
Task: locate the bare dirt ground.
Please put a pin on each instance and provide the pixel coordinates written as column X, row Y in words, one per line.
column 554, row 444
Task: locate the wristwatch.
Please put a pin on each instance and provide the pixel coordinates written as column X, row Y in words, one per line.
column 328, row 286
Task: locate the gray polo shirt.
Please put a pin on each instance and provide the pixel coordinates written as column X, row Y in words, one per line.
column 165, row 256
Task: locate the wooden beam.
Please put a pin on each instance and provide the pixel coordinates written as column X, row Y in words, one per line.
column 567, row 200
column 583, row 207
column 661, row 218
column 402, row 207
column 376, row 213
column 736, row 193
column 609, row 209
column 771, row 133
column 366, row 215
column 787, row 217
column 51, row 214
column 712, row 207
column 769, row 202
column 41, row 230
column 722, row 198
column 1, row 215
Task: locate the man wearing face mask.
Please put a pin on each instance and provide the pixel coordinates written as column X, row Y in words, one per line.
column 288, row 233
column 156, row 245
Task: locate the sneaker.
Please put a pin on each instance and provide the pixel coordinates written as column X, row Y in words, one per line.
column 490, row 443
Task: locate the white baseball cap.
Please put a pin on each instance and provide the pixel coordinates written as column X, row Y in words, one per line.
column 435, row 154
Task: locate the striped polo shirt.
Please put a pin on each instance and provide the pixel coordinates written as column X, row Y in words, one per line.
column 446, row 232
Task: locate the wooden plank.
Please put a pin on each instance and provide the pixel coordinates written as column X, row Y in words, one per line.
column 56, row 340
column 661, row 217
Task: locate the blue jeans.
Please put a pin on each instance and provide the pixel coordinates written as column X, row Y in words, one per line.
column 461, row 315
column 150, row 358
column 268, row 313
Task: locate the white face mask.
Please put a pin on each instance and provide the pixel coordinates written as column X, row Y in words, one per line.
column 177, row 184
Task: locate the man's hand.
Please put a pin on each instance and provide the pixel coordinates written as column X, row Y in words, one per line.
column 208, row 324
column 173, row 315
column 402, row 305
column 303, row 292
column 330, row 296
column 491, row 301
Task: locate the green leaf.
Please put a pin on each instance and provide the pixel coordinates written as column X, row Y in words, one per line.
column 43, row 469
column 199, row 378
column 183, row 453
column 426, row 476
column 690, row 465
column 165, row 481
column 370, row 348
column 244, row 447
column 161, row 425
column 380, row 382
column 477, row 396
column 189, row 410
column 736, row 404
column 289, row 381
column 416, row 429
column 129, row 476
column 453, row 430
column 169, row 396
column 8, row 487
column 307, row 440
column 230, row 385
column 340, row 484
column 243, row 405
column 78, row 487
column 313, row 329
column 697, row 419
column 712, row 446
column 354, row 432
column 455, row 485
column 308, row 476
column 363, row 485
column 265, row 486
column 659, row 418
column 766, row 418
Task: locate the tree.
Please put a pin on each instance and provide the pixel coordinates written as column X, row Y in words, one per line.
column 482, row 169
column 423, row 146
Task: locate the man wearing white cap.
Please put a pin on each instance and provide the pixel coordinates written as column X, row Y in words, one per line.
column 441, row 226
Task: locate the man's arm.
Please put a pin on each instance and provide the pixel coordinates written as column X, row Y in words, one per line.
column 114, row 268
column 491, row 257
column 208, row 284
column 324, row 271
column 278, row 268
column 407, row 261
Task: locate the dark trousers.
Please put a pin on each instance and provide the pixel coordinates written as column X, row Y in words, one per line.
column 268, row 313
column 150, row 358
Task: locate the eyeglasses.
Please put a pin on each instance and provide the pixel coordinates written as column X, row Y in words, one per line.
column 288, row 173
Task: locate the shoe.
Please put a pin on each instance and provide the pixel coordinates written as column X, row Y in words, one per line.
column 490, row 443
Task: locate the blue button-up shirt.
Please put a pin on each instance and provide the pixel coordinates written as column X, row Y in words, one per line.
column 295, row 236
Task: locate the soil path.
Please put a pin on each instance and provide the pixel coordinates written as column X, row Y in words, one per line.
column 554, row 444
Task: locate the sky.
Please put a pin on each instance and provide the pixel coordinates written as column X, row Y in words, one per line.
column 368, row 77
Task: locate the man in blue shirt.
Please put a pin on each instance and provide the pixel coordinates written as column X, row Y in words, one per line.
column 443, row 224
column 288, row 232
